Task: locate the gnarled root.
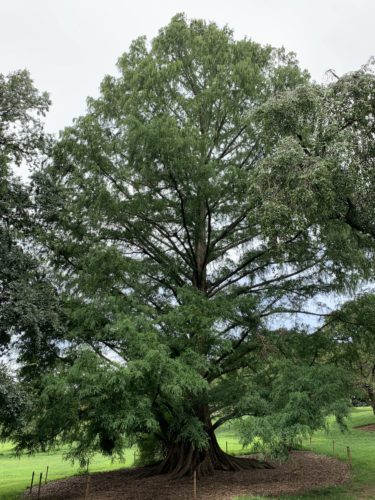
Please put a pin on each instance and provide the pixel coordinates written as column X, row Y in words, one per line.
column 183, row 459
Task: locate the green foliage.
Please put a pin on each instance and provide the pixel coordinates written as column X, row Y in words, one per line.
column 362, row 484
column 29, row 313
column 21, row 129
column 14, row 404
column 180, row 216
column 350, row 330
column 325, row 148
column 300, row 405
column 150, row 451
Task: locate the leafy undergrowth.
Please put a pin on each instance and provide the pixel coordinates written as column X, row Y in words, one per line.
column 362, row 446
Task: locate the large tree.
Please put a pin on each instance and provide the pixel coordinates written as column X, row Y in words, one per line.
column 174, row 254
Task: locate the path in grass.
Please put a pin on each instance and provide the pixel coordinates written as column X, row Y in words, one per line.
column 362, row 445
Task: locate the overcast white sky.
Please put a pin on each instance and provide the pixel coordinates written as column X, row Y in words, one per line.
column 69, row 45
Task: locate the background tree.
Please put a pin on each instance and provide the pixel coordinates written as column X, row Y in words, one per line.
column 172, row 261
column 352, row 329
column 15, row 404
column 328, row 133
column 28, row 307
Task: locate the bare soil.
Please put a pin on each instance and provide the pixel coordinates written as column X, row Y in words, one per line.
column 367, row 428
column 302, row 472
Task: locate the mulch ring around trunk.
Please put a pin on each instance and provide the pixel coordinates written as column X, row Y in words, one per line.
column 302, row 472
column 367, row 428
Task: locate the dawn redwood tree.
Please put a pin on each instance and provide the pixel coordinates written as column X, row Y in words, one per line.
column 172, row 256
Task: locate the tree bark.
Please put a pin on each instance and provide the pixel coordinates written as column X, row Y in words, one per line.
column 371, row 395
column 182, row 458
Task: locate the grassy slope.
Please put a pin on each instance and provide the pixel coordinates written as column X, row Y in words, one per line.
column 362, row 446
column 15, row 473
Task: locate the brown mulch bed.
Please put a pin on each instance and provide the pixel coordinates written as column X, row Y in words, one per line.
column 303, row 471
column 367, row 428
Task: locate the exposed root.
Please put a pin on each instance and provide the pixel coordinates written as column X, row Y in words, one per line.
column 183, row 459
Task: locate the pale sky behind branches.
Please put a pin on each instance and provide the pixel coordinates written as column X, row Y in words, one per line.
column 69, row 45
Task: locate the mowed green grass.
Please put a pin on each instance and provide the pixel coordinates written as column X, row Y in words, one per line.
column 362, row 446
column 15, row 473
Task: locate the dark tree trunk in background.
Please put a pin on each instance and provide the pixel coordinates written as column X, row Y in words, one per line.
column 371, row 395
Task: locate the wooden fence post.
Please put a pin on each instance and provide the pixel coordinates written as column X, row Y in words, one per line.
column 45, row 479
column 87, row 486
column 32, row 482
column 40, row 483
column 195, row 485
column 333, row 446
column 226, row 446
column 349, row 453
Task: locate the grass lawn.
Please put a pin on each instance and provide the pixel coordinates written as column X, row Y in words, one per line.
column 15, row 473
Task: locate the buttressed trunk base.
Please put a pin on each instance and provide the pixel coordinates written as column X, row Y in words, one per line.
column 182, row 459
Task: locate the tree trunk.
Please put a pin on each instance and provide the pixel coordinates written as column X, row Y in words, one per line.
column 182, row 458
column 371, row 395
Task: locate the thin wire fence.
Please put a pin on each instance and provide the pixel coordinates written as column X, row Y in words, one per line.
column 338, row 449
